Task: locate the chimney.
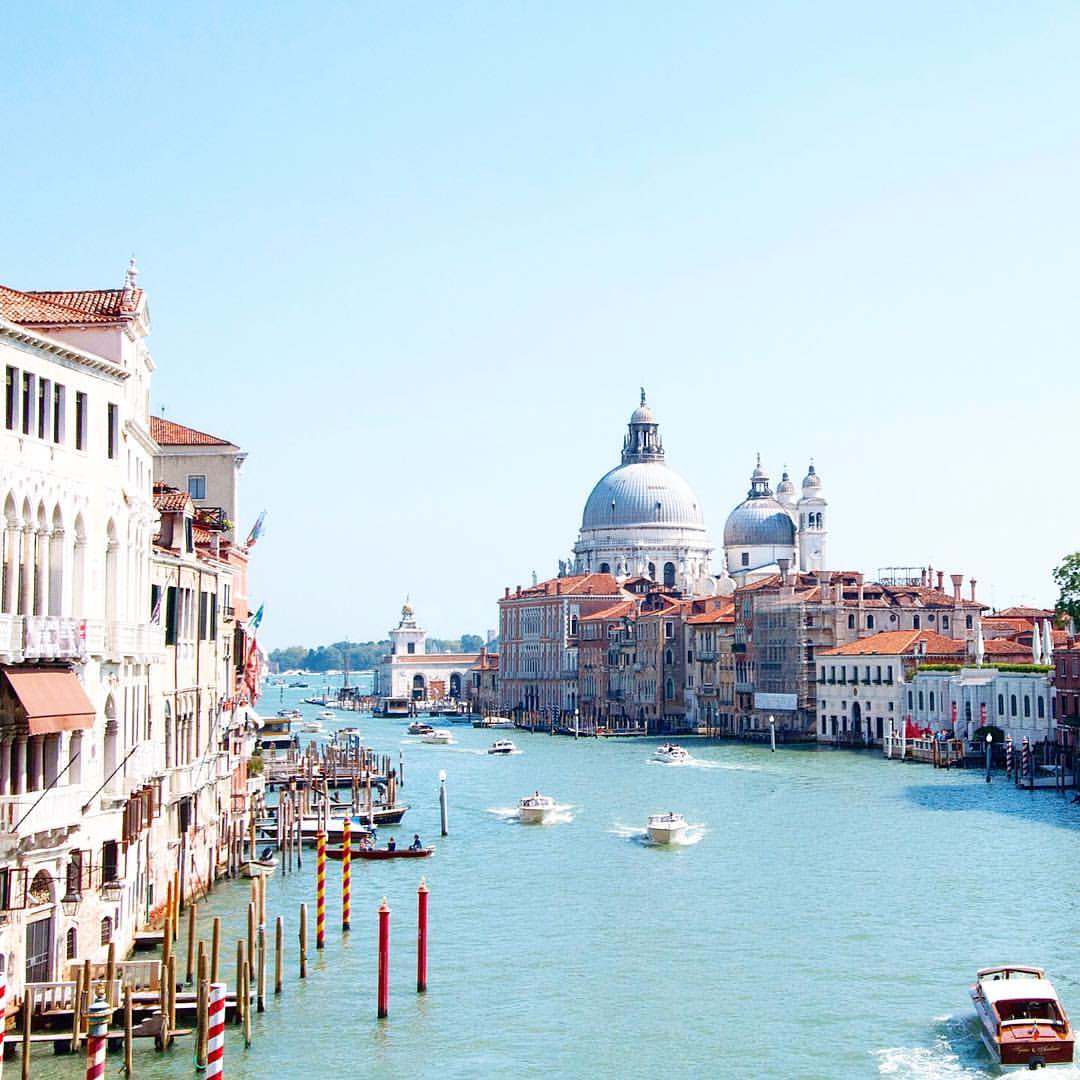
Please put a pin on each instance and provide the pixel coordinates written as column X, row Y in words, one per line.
column 957, row 584
column 940, row 580
column 518, row 593
column 973, row 584
column 922, row 577
column 783, row 563
column 506, row 595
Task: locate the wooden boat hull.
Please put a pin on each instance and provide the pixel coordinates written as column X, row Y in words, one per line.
column 380, row 853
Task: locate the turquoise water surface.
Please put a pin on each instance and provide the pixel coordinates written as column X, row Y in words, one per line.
column 826, row 923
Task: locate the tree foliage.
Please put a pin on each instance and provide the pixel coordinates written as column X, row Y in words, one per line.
column 359, row 656
column 1067, row 578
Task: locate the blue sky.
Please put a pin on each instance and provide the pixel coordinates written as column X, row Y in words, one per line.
column 417, row 259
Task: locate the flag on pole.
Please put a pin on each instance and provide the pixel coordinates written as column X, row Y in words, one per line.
column 254, row 622
column 256, row 530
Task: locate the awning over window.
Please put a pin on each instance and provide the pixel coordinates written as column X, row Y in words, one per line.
column 53, row 700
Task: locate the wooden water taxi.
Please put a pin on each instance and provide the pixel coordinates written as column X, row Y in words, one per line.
column 1021, row 1020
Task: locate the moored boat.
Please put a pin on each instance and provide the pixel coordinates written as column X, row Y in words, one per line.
column 502, row 746
column 671, row 753
column 666, row 828
column 536, row 809
column 1021, row 1020
column 254, row 868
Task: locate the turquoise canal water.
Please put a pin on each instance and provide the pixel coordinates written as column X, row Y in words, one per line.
column 826, row 923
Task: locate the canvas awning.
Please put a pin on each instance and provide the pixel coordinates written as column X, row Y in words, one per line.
column 53, row 700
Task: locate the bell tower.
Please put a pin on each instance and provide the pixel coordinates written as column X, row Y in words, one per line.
column 812, row 522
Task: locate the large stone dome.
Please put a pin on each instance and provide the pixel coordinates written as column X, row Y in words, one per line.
column 642, row 493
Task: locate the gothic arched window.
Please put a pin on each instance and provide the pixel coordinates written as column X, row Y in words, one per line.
column 669, row 689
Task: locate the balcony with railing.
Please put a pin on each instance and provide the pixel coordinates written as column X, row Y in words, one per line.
column 56, row 809
column 59, row 637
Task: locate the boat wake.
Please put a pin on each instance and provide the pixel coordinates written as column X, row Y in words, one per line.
column 563, row 814
column 956, row 1051
column 702, row 763
column 691, row 836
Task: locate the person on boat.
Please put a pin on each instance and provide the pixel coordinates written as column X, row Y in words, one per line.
column 391, row 844
column 416, row 845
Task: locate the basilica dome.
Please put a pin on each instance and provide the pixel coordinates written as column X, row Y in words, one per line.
column 642, row 493
column 642, row 518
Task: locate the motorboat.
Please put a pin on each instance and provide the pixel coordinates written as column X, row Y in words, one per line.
column 310, row 727
column 671, row 753
column 493, row 722
column 1021, row 1020
column 536, row 809
column 392, row 706
column 380, row 853
column 439, row 735
column 502, row 746
column 326, row 714
column 263, row 866
column 289, row 714
column 418, row 727
column 666, row 828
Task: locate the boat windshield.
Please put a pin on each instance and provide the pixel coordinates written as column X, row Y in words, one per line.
column 1023, row 1010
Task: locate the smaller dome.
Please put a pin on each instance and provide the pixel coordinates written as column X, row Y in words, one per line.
column 785, row 490
column 759, row 522
column 811, row 480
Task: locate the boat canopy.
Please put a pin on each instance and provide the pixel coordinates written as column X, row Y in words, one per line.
column 1018, row 990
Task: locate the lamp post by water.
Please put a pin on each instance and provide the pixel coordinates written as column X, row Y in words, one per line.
column 989, row 740
column 442, row 801
column 772, row 733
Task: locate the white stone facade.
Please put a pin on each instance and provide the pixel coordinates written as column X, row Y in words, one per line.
column 78, row 519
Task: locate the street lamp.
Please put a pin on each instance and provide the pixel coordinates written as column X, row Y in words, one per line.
column 69, row 902
column 442, row 801
column 989, row 740
column 772, row 733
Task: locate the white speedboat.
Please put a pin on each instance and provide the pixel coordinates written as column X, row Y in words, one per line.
column 502, row 746
column 418, row 727
column 326, row 714
column 289, row 714
column 671, row 753
column 1021, row 1020
column 666, row 828
column 309, row 727
column 438, row 735
column 536, row 809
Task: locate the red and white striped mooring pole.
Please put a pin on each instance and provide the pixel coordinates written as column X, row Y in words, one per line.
column 97, row 1041
column 215, row 1031
column 3, row 1011
column 384, row 959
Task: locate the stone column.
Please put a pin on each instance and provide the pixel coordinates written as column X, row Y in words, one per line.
column 18, row 766
column 9, row 601
column 5, row 766
column 42, row 571
column 36, row 755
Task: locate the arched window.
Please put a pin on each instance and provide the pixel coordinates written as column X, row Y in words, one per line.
column 669, row 657
column 967, row 711
column 851, row 622
column 931, row 700
column 869, row 622
column 669, row 689
column 915, row 621
column 106, row 930
column 669, row 575
column 1001, row 704
column 1012, row 704
column 1027, row 705
column 72, row 943
column 652, row 571
column 1040, row 707
column 605, row 568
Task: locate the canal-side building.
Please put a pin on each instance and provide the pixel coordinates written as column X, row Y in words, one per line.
column 77, row 645
column 539, row 640
column 200, row 765
column 410, row 671
column 1066, row 661
column 710, row 689
column 483, row 695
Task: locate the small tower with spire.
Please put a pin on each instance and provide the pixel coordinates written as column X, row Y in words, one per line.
column 408, row 639
column 812, row 524
column 642, row 442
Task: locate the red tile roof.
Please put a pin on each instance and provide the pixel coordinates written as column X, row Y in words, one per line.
column 171, row 500
column 710, row 618
column 616, row 611
column 899, row 643
column 1023, row 613
column 166, row 433
column 574, row 585
column 95, row 306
